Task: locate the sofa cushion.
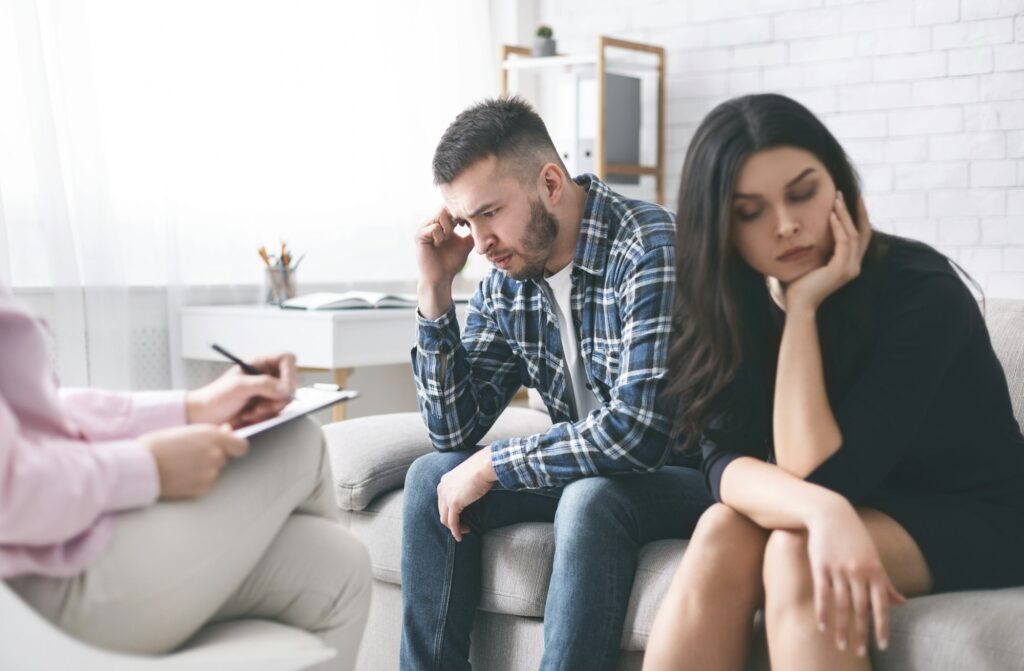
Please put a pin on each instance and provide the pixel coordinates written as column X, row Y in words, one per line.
column 516, row 571
column 362, row 472
column 516, row 559
column 370, row 455
column 959, row 630
column 379, row 526
column 656, row 565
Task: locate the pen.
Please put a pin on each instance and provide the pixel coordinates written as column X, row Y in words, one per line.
column 246, row 368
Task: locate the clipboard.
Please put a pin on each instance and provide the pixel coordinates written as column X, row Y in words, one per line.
column 306, row 400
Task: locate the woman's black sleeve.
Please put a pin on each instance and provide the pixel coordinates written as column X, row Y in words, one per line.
column 922, row 331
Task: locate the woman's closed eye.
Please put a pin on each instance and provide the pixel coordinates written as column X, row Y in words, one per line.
column 748, row 213
column 805, row 192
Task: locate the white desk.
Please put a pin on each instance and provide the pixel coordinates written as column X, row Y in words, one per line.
column 337, row 340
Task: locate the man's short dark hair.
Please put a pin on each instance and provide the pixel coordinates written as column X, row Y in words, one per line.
column 507, row 128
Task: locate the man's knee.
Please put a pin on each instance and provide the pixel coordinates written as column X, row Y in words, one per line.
column 591, row 503
column 425, row 474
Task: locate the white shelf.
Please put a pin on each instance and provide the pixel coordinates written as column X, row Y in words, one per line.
column 523, row 63
column 535, row 63
column 633, row 59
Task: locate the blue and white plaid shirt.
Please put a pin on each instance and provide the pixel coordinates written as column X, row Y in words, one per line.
column 623, row 283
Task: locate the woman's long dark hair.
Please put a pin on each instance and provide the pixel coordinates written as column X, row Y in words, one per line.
column 716, row 291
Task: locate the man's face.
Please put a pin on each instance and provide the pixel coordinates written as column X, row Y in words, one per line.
column 515, row 232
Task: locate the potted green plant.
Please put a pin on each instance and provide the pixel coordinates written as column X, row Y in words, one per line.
column 543, row 44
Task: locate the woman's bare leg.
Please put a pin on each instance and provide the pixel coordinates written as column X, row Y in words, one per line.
column 705, row 619
column 794, row 641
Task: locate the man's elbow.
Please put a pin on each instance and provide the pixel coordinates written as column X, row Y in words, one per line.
column 651, row 453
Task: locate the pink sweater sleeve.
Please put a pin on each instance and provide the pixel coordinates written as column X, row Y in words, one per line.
column 109, row 415
column 53, row 487
column 67, row 458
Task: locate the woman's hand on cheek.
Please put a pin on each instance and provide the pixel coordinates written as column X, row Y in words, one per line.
column 812, row 289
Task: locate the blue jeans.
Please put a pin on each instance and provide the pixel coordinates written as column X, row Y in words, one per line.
column 600, row 524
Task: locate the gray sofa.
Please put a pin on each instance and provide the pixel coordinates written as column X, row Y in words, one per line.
column 370, row 456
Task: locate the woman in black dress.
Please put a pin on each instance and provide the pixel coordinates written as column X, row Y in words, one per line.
column 855, row 423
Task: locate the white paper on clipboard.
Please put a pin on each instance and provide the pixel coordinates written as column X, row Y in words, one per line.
column 307, row 400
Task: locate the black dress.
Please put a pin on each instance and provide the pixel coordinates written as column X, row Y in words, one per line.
column 929, row 436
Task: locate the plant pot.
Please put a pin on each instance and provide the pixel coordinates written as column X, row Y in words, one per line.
column 543, row 46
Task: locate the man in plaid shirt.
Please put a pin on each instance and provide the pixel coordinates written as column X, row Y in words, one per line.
column 578, row 307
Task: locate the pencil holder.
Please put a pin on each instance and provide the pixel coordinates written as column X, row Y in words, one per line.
column 278, row 285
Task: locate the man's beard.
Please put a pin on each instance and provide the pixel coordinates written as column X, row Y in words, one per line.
column 540, row 234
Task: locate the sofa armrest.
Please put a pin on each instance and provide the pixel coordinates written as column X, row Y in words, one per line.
column 370, row 455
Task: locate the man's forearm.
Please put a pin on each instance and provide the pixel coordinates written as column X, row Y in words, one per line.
column 456, row 420
column 611, row 445
column 434, row 300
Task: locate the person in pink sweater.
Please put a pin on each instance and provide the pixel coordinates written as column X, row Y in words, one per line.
column 131, row 520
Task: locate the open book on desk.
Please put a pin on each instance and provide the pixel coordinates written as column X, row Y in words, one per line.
column 358, row 300
column 350, row 300
column 305, row 401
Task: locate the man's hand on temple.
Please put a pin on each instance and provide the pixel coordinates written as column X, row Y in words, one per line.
column 440, row 253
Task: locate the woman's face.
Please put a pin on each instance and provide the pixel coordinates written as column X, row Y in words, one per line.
column 780, row 213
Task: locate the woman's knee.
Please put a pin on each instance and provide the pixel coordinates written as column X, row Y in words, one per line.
column 338, row 566
column 285, row 467
column 726, row 546
column 726, row 533
column 354, row 595
column 787, row 574
column 299, row 442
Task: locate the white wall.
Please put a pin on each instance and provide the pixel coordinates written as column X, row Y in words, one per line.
column 927, row 96
column 214, row 127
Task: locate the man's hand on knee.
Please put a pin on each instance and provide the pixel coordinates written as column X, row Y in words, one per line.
column 461, row 486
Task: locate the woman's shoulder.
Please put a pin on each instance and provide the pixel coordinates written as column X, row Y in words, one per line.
column 914, row 273
column 908, row 256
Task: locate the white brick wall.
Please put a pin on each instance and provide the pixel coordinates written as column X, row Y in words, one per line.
column 927, row 96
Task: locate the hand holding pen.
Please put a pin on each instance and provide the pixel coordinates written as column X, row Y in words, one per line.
column 251, row 392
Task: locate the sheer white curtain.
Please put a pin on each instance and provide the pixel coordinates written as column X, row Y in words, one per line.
column 158, row 143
